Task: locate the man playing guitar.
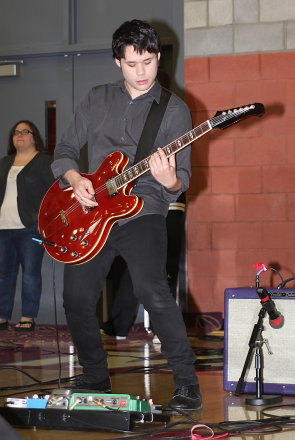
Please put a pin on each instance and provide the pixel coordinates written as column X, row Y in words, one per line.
column 111, row 118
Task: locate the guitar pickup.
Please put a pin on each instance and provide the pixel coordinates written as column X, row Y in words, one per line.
column 111, row 187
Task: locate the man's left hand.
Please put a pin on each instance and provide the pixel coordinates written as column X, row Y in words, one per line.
column 164, row 170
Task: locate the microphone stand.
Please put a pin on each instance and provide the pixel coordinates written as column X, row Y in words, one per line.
column 256, row 341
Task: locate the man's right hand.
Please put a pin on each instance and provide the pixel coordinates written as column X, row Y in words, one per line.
column 82, row 188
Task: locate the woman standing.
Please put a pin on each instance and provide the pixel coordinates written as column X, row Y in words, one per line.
column 25, row 176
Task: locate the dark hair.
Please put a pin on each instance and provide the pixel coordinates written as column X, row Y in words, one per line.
column 37, row 137
column 138, row 34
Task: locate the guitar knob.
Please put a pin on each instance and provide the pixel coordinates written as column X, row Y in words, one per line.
column 73, row 237
column 74, row 254
column 64, row 250
column 84, row 242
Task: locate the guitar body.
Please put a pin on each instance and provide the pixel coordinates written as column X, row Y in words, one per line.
column 73, row 233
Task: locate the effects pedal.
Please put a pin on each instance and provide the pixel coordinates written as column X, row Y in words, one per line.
column 69, row 409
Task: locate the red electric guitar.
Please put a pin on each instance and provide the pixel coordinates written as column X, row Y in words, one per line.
column 73, row 234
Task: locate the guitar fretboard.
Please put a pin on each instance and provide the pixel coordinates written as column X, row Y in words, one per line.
column 142, row 167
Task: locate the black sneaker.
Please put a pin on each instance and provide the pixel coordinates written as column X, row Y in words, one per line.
column 187, row 398
column 105, row 386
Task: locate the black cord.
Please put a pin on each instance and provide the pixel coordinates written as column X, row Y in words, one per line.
column 283, row 283
column 264, row 411
column 56, row 326
column 271, row 268
column 9, row 346
column 7, row 367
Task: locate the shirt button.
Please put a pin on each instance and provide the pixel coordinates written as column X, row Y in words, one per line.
column 122, row 138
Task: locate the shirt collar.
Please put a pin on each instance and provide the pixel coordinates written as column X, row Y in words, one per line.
column 154, row 92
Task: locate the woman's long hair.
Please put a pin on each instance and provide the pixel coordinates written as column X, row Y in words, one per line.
column 39, row 144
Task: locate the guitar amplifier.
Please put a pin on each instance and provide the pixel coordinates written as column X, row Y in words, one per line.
column 241, row 309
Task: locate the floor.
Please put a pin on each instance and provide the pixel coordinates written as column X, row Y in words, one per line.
column 32, row 364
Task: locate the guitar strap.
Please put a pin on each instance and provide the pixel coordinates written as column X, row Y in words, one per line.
column 151, row 126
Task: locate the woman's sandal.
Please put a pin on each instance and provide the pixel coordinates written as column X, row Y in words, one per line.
column 25, row 329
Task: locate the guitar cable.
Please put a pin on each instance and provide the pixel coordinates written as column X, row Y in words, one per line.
column 55, row 319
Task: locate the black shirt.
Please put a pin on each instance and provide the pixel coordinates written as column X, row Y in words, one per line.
column 109, row 120
column 32, row 183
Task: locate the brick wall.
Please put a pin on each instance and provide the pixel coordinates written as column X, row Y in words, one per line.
column 241, row 201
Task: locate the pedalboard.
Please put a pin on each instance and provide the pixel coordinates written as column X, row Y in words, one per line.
column 84, row 410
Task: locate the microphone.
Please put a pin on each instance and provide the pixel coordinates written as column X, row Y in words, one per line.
column 276, row 320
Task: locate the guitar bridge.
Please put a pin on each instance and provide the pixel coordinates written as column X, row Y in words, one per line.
column 63, row 218
column 93, row 207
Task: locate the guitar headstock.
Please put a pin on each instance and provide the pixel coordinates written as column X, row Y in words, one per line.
column 225, row 118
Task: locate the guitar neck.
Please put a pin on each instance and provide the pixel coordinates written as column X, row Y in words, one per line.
column 221, row 120
column 142, row 167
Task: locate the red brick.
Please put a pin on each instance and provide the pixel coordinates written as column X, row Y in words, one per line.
column 278, row 65
column 233, row 235
column 211, row 208
column 190, row 207
column 289, row 117
column 199, row 117
column 200, row 181
column 210, row 96
column 241, row 282
column 244, row 224
column 291, row 206
column 196, row 70
column 287, row 271
column 270, row 257
column 198, row 235
column 278, row 235
column 202, row 263
column 261, row 150
column 291, row 149
column 200, row 152
column 219, row 287
column 213, row 152
column 290, row 92
column 279, row 179
column 271, row 93
column 261, row 207
column 200, row 292
column 236, row 180
column 211, row 263
column 274, row 122
column 234, row 68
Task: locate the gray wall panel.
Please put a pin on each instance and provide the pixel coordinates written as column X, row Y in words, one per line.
column 97, row 20
column 30, row 23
